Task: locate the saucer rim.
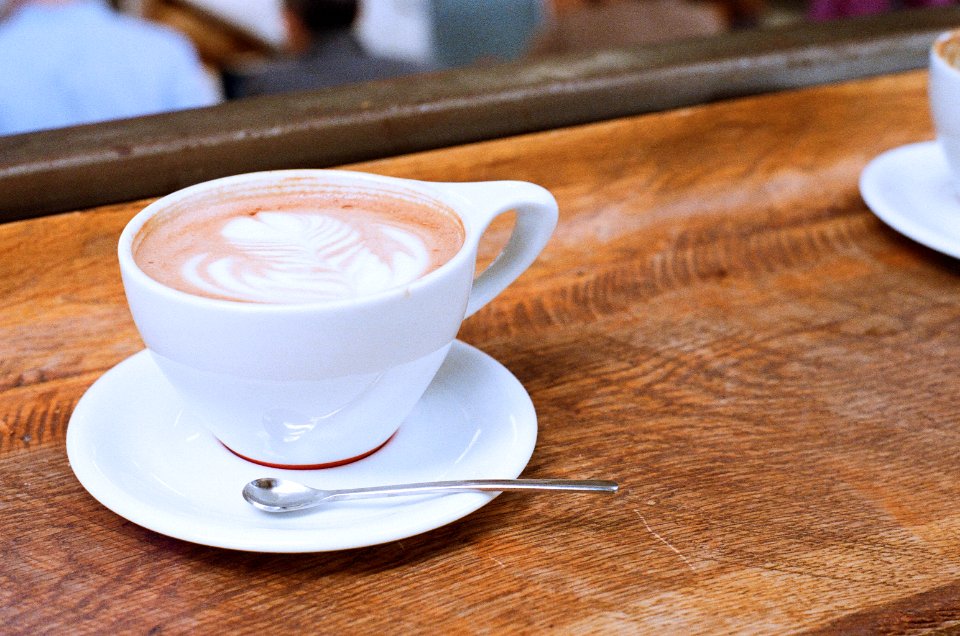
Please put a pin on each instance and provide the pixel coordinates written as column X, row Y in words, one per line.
column 265, row 533
column 874, row 194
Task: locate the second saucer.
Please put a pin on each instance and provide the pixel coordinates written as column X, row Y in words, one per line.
column 909, row 188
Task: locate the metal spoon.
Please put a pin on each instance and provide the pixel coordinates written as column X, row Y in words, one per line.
column 283, row 495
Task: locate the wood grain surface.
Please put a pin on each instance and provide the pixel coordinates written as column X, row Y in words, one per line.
column 719, row 323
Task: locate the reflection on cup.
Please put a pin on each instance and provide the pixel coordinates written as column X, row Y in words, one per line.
column 301, row 314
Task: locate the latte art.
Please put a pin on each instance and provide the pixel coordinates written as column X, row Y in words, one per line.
column 282, row 250
column 308, row 256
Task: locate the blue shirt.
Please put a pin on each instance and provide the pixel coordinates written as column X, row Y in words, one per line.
column 81, row 62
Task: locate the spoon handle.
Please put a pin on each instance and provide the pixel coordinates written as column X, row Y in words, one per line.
column 501, row 485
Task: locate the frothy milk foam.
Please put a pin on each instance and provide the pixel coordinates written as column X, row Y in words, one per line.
column 949, row 50
column 296, row 246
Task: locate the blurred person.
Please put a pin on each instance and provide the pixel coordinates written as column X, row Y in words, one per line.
column 453, row 33
column 325, row 51
column 484, row 31
column 69, row 62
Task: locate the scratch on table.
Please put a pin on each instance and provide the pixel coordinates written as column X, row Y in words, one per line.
column 498, row 562
column 665, row 542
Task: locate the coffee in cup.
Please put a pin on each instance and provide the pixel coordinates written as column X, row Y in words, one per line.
column 301, row 314
column 296, row 246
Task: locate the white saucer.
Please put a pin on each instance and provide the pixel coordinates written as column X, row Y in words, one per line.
column 132, row 452
column 909, row 188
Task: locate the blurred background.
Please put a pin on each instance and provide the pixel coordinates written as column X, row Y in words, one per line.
column 67, row 62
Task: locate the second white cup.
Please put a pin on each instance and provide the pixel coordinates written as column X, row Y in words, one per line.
column 944, row 93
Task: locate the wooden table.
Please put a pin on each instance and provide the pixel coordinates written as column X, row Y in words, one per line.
column 719, row 323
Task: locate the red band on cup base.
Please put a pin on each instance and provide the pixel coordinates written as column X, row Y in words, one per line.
column 340, row 462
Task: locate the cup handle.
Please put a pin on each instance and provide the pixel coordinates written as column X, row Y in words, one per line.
column 536, row 211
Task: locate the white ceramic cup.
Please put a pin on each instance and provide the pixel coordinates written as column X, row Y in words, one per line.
column 944, row 92
column 320, row 384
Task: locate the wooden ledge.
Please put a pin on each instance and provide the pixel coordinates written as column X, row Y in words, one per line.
column 74, row 168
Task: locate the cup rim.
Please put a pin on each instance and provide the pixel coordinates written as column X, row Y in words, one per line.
column 130, row 269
